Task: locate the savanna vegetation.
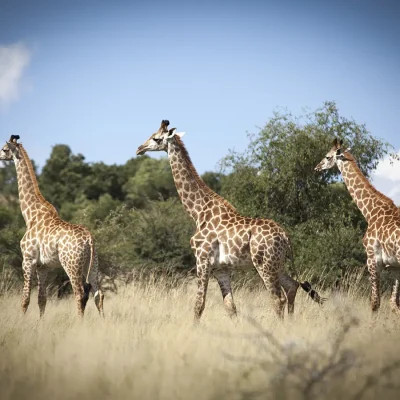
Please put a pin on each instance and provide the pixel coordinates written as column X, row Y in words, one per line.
column 147, row 347
column 139, row 224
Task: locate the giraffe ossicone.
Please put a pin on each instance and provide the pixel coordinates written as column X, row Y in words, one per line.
column 50, row 241
column 382, row 237
column 223, row 237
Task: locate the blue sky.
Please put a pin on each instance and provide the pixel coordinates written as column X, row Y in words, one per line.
column 100, row 76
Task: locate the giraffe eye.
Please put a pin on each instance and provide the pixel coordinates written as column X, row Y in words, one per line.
column 158, row 141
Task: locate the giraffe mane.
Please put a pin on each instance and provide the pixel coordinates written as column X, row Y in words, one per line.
column 368, row 184
column 198, row 179
column 32, row 175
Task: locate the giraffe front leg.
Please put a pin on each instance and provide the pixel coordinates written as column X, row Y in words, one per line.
column 29, row 267
column 41, row 273
column 224, row 281
column 375, row 283
column 203, row 276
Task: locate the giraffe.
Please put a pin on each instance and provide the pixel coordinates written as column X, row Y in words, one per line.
column 49, row 241
column 382, row 238
column 223, row 237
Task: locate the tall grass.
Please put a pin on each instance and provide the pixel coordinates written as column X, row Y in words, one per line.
column 148, row 348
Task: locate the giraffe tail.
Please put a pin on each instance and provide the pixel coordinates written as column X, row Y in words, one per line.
column 305, row 285
column 87, row 286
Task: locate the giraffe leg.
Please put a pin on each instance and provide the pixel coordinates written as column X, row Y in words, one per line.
column 224, row 281
column 80, row 297
column 41, row 273
column 75, row 276
column 203, row 276
column 270, row 277
column 29, row 267
column 375, row 283
column 94, row 283
column 74, row 266
column 395, row 297
column 290, row 287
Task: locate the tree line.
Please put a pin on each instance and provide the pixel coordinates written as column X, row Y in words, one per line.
column 135, row 215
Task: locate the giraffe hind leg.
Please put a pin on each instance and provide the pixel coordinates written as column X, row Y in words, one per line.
column 289, row 286
column 74, row 272
column 270, row 276
column 41, row 273
column 224, row 281
column 395, row 296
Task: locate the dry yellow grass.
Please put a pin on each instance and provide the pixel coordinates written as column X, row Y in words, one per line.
column 147, row 348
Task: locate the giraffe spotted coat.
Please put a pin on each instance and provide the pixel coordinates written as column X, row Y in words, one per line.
column 49, row 241
column 223, row 237
column 382, row 238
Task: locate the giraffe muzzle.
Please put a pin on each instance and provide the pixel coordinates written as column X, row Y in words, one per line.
column 318, row 168
column 140, row 151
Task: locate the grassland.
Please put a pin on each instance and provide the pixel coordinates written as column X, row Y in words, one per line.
column 148, row 348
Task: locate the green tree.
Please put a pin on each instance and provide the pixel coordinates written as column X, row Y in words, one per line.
column 104, row 179
column 213, row 180
column 152, row 181
column 63, row 176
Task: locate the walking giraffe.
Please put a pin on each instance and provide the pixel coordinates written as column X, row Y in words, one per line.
column 382, row 238
column 224, row 237
column 49, row 241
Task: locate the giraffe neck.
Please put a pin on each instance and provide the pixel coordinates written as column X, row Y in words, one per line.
column 31, row 200
column 193, row 192
column 369, row 200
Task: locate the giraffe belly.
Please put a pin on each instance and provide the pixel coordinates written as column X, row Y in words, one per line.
column 389, row 260
column 223, row 256
column 49, row 256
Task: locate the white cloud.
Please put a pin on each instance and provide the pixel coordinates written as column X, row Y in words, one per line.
column 386, row 178
column 13, row 60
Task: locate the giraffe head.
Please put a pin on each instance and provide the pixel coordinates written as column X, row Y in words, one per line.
column 335, row 155
column 159, row 141
column 10, row 150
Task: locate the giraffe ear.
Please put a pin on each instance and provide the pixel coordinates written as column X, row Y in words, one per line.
column 341, row 142
column 172, row 132
column 335, row 142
